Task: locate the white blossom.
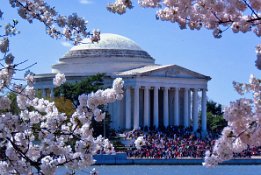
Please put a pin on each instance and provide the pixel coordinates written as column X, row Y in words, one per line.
column 150, row 3
column 119, row 6
column 4, row 45
column 48, row 165
column 139, row 142
column 59, row 79
column 29, row 79
column 11, row 29
column 6, row 75
column 95, row 36
column 5, row 103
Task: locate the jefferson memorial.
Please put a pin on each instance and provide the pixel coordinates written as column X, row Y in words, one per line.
column 155, row 95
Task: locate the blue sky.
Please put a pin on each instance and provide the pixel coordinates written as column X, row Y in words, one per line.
column 225, row 60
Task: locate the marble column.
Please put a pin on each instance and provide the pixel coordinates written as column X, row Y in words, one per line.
column 156, row 107
column 43, row 92
column 195, row 110
column 136, row 108
column 166, row 107
column 186, row 107
column 189, row 107
column 204, row 112
column 52, row 93
column 176, row 107
column 147, row 106
column 128, row 108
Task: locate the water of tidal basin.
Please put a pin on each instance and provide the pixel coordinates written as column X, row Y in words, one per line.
column 172, row 170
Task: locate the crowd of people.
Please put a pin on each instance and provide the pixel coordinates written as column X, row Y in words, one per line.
column 175, row 142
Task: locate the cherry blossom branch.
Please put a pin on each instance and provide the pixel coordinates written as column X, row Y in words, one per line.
column 243, row 117
column 252, row 10
column 26, row 68
column 34, row 164
column 74, row 27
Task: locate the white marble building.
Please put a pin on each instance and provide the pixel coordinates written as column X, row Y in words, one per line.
column 155, row 95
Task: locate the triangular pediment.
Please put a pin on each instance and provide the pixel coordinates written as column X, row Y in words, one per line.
column 175, row 71
column 171, row 71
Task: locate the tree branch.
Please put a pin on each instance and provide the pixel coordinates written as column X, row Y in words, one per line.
column 252, row 10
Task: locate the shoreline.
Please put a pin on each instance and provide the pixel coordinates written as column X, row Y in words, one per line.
column 121, row 159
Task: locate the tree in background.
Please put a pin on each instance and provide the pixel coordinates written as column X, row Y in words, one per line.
column 215, row 119
column 214, row 108
column 64, row 105
column 215, row 123
column 69, row 93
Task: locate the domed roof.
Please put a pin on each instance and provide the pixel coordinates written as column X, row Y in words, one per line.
column 113, row 53
column 110, row 45
column 108, row 41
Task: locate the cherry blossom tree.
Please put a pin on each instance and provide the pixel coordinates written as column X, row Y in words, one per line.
column 243, row 116
column 40, row 139
column 216, row 15
column 244, row 124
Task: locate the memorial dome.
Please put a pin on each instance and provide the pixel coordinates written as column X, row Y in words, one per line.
column 113, row 53
column 108, row 41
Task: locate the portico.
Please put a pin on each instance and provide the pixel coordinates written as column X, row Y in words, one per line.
column 172, row 92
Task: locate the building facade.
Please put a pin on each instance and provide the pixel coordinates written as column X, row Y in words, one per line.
column 155, row 95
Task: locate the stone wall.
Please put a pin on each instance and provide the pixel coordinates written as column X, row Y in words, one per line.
column 121, row 159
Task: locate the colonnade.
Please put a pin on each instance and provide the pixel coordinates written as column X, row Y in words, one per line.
column 46, row 92
column 189, row 113
column 190, row 109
